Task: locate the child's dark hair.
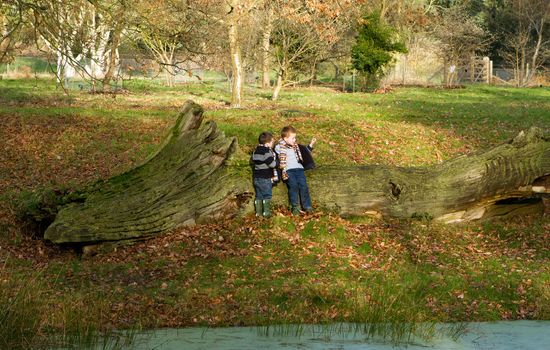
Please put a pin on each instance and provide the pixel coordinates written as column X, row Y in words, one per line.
column 265, row 137
column 287, row 130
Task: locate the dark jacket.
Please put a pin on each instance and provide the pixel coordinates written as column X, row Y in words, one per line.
column 307, row 157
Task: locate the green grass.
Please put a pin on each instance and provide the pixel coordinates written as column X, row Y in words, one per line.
column 388, row 277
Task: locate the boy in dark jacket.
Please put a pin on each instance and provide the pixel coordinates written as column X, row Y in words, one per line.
column 265, row 174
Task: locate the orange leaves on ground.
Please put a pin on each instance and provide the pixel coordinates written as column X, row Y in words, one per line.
column 45, row 150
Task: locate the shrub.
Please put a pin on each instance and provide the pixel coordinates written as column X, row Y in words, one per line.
column 374, row 48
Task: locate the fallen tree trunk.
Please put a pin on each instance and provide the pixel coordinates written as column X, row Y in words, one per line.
column 187, row 182
column 510, row 179
column 183, row 183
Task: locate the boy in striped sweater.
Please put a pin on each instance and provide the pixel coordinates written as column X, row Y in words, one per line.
column 294, row 160
column 265, row 173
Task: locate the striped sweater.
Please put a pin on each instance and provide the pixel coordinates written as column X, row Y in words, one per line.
column 293, row 157
column 264, row 162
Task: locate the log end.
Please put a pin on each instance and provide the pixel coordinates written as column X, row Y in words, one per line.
column 190, row 118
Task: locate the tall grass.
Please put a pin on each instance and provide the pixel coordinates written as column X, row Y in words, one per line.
column 20, row 311
column 30, row 319
column 92, row 338
column 387, row 309
column 83, row 327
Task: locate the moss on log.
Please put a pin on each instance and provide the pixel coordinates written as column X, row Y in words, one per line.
column 184, row 182
column 508, row 179
column 187, row 181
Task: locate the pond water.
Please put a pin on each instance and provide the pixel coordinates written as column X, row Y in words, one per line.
column 514, row 335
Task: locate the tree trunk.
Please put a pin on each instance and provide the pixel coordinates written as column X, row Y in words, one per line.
column 112, row 61
column 169, row 75
column 336, row 71
column 5, row 40
column 236, row 66
column 278, row 86
column 511, row 177
column 169, row 68
column 266, row 35
column 98, row 47
column 534, row 59
column 522, row 69
column 313, row 74
column 186, row 182
column 60, row 67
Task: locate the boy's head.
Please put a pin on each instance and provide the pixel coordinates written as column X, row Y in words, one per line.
column 289, row 135
column 265, row 138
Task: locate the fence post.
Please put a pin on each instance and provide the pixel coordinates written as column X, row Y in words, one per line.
column 491, row 72
column 344, row 82
column 445, row 77
column 403, row 67
column 472, row 69
column 486, row 69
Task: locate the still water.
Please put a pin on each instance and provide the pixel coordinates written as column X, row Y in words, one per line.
column 514, row 335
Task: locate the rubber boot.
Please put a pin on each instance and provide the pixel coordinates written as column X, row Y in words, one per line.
column 258, row 207
column 267, row 209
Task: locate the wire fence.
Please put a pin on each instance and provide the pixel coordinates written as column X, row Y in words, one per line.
column 409, row 70
column 128, row 69
column 432, row 71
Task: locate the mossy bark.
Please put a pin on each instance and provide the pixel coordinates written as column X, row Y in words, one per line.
column 183, row 183
column 511, row 178
column 187, row 181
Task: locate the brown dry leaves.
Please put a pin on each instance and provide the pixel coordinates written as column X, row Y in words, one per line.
column 41, row 150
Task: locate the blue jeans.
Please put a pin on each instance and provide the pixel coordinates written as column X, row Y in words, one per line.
column 263, row 188
column 298, row 191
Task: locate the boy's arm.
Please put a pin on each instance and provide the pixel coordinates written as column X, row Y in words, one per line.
column 251, row 161
column 271, row 161
column 282, row 156
column 311, row 143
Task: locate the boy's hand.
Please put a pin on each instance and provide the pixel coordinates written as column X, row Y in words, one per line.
column 313, row 140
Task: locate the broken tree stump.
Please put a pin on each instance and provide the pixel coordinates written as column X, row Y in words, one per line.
column 188, row 181
column 184, row 182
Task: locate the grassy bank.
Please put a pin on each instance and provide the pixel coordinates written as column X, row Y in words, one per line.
column 313, row 269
